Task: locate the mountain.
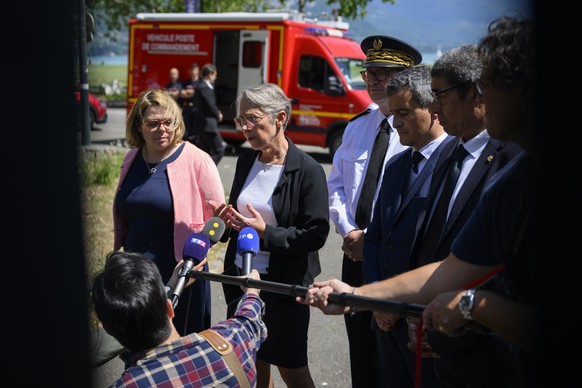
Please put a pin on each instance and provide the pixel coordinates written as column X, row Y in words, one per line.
column 430, row 25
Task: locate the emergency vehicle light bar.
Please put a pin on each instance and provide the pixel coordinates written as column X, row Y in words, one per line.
column 326, row 32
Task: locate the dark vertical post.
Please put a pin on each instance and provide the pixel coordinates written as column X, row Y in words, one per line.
column 83, row 75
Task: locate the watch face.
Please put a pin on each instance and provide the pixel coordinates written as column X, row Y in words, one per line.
column 466, row 304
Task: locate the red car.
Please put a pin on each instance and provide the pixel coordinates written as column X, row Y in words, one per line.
column 97, row 109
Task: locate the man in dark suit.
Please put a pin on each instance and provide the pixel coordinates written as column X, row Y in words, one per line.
column 207, row 115
column 461, row 110
column 186, row 101
column 390, row 236
column 354, row 181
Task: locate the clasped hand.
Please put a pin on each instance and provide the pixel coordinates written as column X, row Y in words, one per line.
column 425, row 347
column 385, row 321
column 353, row 245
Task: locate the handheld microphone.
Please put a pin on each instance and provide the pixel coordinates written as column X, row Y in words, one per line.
column 195, row 250
column 248, row 246
column 214, row 229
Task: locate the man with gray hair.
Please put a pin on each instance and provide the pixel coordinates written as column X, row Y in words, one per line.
column 464, row 360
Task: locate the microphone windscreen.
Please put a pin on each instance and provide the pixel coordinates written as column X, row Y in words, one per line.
column 196, row 247
column 214, row 229
column 248, row 241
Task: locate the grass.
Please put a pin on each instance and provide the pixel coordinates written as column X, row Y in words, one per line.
column 105, row 74
column 99, row 173
column 99, row 74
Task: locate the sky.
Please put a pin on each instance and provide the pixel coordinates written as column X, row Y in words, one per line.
column 430, row 24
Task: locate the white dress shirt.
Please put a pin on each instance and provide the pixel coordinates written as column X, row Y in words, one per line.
column 349, row 168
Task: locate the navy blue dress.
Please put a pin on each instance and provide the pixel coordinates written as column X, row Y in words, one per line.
column 145, row 202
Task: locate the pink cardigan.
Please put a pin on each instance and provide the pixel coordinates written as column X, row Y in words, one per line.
column 194, row 179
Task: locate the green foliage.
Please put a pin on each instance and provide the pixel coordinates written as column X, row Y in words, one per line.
column 100, row 168
column 116, row 13
column 352, row 9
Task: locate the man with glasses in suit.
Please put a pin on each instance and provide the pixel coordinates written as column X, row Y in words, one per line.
column 351, row 196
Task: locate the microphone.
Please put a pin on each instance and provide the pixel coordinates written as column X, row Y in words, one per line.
column 195, row 250
column 248, row 246
column 214, row 229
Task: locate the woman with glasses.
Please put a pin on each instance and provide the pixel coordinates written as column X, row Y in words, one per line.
column 162, row 195
column 279, row 191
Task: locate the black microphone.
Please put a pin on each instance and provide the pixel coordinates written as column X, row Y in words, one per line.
column 195, row 250
column 247, row 246
column 214, row 229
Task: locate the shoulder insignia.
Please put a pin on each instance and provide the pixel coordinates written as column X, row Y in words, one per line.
column 361, row 114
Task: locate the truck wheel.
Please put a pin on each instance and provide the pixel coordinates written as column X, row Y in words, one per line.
column 92, row 120
column 334, row 141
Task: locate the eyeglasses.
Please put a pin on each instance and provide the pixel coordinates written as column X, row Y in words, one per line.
column 480, row 85
column 152, row 125
column 437, row 95
column 380, row 75
column 250, row 121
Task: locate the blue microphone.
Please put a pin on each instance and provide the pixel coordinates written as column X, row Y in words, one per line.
column 194, row 251
column 247, row 246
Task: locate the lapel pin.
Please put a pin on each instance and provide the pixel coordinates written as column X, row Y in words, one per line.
column 489, row 158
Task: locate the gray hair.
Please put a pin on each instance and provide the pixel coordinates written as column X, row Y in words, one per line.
column 414, row 79
column 459, row 65
column 267, row 97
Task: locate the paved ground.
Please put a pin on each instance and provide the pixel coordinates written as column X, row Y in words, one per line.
column 328, row 347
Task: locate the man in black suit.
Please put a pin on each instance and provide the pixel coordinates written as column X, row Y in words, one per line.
column 461, row 110
column 207, row 115
column 395, row 222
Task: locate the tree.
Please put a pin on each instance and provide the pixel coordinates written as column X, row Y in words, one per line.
column 116, row 13
column 349, row 9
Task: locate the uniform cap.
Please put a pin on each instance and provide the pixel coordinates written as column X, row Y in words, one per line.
column 386, row 51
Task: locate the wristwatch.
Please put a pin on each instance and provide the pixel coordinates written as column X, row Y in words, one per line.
column 466, row 304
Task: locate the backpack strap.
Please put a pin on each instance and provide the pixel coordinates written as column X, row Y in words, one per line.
column 224, row 348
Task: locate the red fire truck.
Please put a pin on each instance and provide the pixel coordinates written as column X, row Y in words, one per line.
column 316, row 63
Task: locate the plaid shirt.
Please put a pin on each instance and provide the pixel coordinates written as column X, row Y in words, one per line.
column 192, row 362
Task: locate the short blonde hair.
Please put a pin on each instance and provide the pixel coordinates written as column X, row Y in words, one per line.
column 135, row 119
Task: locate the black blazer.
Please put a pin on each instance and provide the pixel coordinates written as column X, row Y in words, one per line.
column 472, row 351
column 495, row 155
column 206, row 119
column 300, row 203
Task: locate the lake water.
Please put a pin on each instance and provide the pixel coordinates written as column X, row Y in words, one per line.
column 427, row 58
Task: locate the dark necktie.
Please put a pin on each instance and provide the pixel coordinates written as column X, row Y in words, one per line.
column 375, row 163
column 408, row 179
column 416, row 158
column 434, row 229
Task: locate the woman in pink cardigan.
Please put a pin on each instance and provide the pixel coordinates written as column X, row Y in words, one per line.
column 162, row 196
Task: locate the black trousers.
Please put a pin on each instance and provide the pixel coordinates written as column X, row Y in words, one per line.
column 211, row 142
column 361, row 338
